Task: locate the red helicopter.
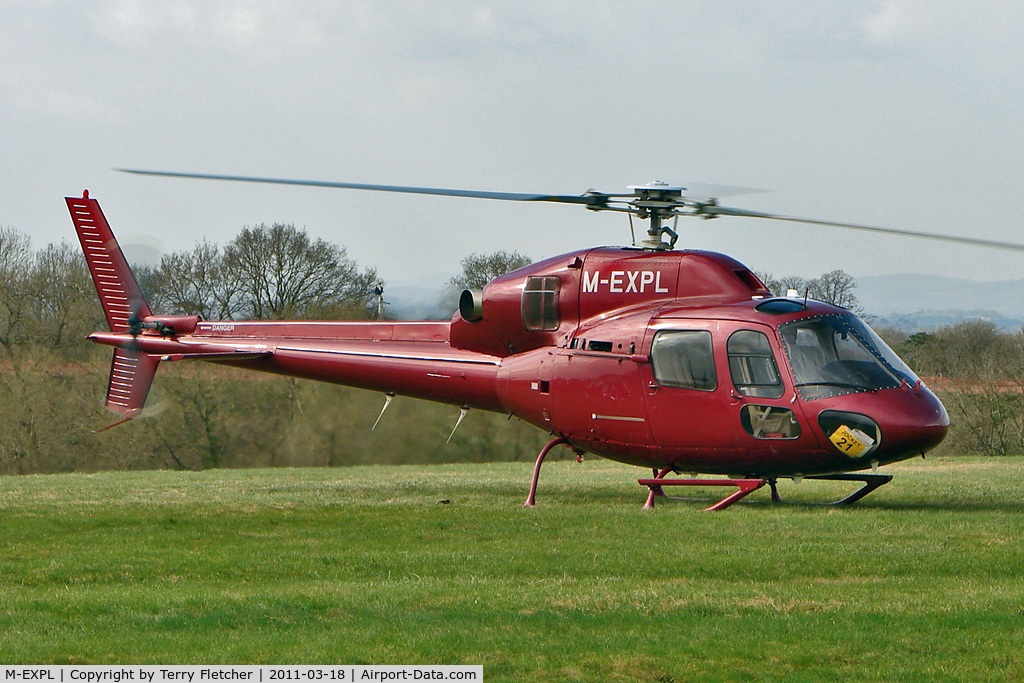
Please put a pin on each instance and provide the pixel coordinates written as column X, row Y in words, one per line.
column 676, row 361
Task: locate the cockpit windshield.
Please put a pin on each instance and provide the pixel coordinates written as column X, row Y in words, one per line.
column 833, row 355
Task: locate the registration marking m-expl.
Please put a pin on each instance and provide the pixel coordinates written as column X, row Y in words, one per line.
column 624, row 282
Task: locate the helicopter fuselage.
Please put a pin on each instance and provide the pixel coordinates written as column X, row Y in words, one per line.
column 677, row 359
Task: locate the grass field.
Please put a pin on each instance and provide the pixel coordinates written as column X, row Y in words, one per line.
column 923, row 580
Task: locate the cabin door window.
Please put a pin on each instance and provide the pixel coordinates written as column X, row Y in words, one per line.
column 752, row 365
column 684, row 359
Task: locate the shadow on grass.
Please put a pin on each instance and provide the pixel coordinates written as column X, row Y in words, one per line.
column 614, row 497
column 1008, row 507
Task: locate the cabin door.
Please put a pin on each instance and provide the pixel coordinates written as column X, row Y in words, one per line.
column 690, row 406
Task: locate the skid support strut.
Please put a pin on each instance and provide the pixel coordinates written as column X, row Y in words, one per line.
column 871, row 482
column 745, row 486
column 656, row 490
column 531, row 499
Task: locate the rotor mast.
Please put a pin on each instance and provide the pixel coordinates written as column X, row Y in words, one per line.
column 655, row 202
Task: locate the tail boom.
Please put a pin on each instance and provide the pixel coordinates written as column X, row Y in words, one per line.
column 430, row 370
column 407, row 358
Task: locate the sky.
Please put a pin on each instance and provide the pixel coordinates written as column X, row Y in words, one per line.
column 900, row 113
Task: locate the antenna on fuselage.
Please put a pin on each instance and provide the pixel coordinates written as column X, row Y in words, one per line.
column 462, row 415
column 388, row 397
column 379, row 292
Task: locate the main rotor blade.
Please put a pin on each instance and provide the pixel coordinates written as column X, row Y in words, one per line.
column 597, row 201
column 706, row 191
column 592, row 199
column 973, row 241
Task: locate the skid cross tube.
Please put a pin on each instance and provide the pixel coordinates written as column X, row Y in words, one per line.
column 745, row 486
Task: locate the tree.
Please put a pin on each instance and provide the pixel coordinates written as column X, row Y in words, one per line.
column 479, row 269
column 195, row 282
column 281, row 273
column 63, row 299
column 979, row 373
column 834, row 288
column 274, row 272
column 15, row 265
column 780, row 286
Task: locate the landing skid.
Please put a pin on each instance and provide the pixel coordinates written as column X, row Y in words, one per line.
column 871, row 482
column 747, row 486
column 744, row 486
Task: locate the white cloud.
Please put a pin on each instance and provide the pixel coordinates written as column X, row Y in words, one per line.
column 31, row 93
column 904, row 102
column 889, row 22
column 137, row 23
column 244, row 24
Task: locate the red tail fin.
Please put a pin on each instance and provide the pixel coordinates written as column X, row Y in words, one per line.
column 131, row 372
column 131, row 375
column 118, row 290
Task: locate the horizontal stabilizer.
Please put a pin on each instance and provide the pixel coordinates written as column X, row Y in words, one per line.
column 226, row 357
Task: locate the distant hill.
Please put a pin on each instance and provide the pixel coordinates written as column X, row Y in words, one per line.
column 919, row 321
column 915, row 302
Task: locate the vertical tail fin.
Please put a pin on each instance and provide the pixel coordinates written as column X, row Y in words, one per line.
column 119, row 292
column 131, row 372
column 131, row 375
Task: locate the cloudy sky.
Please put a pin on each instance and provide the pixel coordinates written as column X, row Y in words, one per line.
column 904, row 113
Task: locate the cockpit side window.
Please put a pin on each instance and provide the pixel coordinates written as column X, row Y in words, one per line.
column 540, row 303
column 752, row 365
column 684, row 359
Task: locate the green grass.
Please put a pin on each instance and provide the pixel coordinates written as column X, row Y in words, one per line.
column 922, row 580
